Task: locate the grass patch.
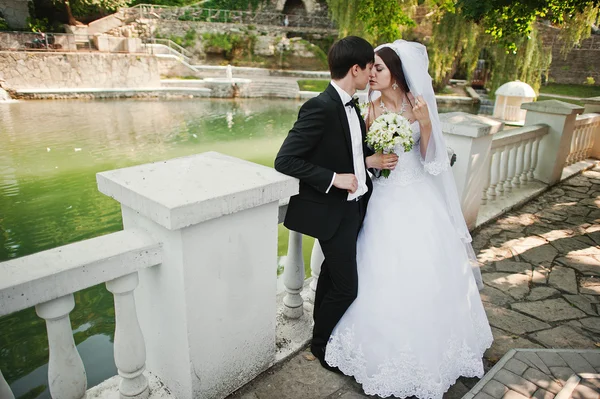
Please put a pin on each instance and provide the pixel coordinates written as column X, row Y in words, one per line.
column 543, row 98
column 583, row 91
column 313, row 85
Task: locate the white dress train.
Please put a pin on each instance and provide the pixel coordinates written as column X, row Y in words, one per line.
column 418, row 322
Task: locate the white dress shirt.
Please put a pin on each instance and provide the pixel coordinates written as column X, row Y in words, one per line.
column 357, row 146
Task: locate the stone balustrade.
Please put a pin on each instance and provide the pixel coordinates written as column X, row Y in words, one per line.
column 199, row 249
column 48, row 279
column 514, row 158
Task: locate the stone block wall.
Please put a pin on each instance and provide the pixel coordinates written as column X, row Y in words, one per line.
column 578, row 64
column 28, row 70
column 15, row 13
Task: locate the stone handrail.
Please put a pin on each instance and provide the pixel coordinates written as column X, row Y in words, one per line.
column 170, row 46
column 199, row 14
column 48, row 279
column 514, row 158
column 583, row 139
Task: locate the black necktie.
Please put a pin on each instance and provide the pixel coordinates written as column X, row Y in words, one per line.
column 352, row 103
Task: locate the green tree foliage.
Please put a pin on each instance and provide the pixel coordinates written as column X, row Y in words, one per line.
column 379, row 21
column 455, row 43
column 507, row 20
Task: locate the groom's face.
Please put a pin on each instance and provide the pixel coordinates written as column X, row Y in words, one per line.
column 361, row 77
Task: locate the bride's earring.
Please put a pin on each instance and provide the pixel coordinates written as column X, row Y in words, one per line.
column 394, row 86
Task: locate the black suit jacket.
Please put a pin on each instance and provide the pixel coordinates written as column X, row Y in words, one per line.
column 318, row 145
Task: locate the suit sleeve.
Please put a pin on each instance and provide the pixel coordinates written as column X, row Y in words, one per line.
column 300, row 142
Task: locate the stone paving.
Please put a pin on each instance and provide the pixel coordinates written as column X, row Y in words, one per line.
column 541, row 269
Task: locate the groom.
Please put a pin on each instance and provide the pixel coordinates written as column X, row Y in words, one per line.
column 326, row 150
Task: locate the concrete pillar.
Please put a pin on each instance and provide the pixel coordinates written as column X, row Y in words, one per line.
column 556, row 145
column 208, row 311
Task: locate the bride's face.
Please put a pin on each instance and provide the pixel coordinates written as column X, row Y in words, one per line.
column 381, row 77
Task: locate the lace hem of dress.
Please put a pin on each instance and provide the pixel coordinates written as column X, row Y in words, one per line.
column 435, row 167
column 403, row 376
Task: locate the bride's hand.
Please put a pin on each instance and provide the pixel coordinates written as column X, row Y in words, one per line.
column 382, row 161
column 420, row 110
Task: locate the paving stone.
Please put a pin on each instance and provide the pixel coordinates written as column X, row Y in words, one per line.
column 562, row 374
column 456, row 391
column 353, row 395
column 551, row 359
column 506, row 239
column 495, row 296
column 590, row 285
column 538, row 293
column 533, row 360
column 543, row 255
column 515, row 285
column 526, row 243
column 577, row 220
column 495, row 389
column 564, row 279
column 514, row 395
column 593, row 383
column 515, row 383
column 592, row 358
column 493, row 254
column 563, row 337
column 552, row 216
column 577, row 362
column 483, row 395
column 511, row 321
column 582, row 302
column 583, row 392
column 511, row 266
column 576, row 245
column 540, row 275
column 587, row 265
column 543, row 394
column 516, row 366
column 542, row 380
column 503, row 342
column 549, row 309
column 591, row 323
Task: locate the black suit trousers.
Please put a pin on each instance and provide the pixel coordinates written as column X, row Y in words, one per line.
column 337, row 286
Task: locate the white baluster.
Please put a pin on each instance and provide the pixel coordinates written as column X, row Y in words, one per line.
column 504, row 157
column 293, row 277
column 579, row 144
column 520, row 151
column 526, row 161
column 130, row 348
column 66, row 374
column 494, row 174
column 316, row 260
column 5, row 391
column 571, row 156
column 512, row 165
column 534, row 158
column 589, row 141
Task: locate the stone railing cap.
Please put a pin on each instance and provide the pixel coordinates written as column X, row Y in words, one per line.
column 464, row 124
column 591, row 100
column 186, row 191
column 553, row 107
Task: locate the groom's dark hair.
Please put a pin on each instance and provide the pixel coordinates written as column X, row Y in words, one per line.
column 347, row 52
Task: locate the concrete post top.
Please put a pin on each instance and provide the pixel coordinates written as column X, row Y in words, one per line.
column 591, row 100
column 185, row 191
column 553, row 107
column 464, row 124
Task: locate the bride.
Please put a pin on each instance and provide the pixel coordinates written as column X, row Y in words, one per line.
column 418, row 322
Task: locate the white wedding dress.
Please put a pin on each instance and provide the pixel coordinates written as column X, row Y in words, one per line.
column 418, row 322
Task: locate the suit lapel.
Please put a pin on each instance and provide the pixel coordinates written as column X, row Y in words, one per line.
column 341, row 109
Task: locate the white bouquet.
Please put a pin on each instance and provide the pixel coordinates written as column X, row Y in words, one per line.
column 388, row 131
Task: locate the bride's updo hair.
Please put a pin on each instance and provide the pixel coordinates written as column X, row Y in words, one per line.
column 394, row 64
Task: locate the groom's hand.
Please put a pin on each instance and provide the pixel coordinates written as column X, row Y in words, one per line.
column 346, row 181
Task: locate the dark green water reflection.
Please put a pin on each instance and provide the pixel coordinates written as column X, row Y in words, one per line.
column 50, row 152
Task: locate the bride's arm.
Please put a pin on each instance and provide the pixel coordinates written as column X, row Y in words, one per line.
column 421, row 113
